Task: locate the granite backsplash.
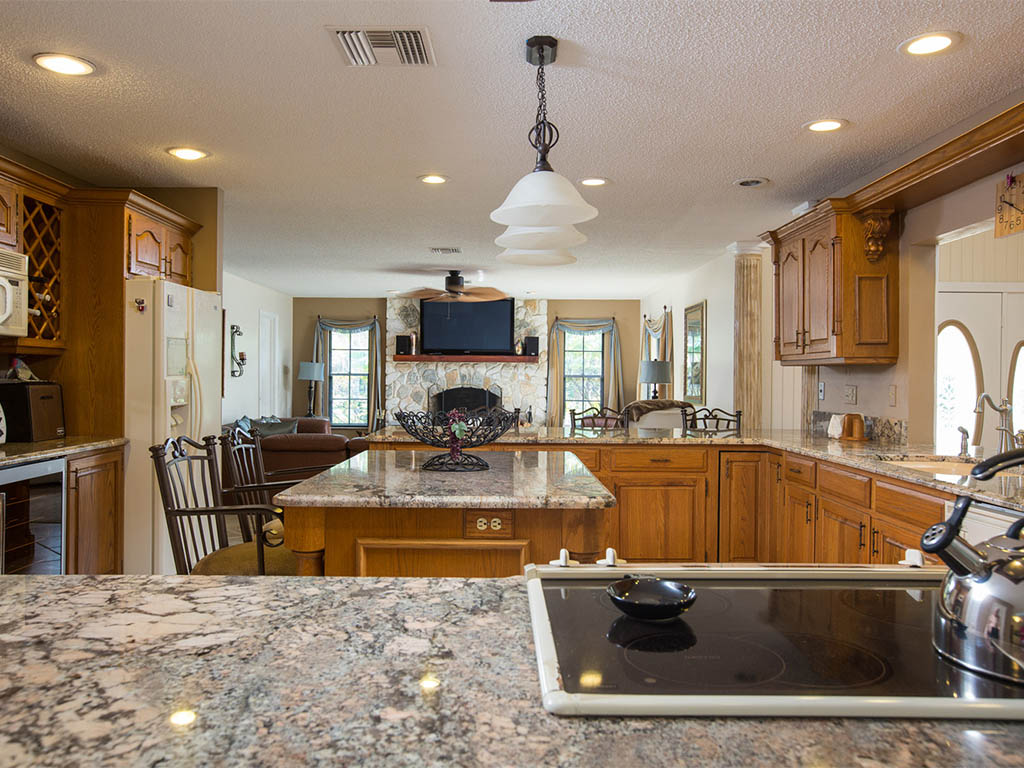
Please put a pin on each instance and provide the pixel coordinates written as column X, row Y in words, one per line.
column 875, row 427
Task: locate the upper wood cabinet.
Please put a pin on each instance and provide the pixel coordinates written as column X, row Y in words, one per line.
column 836, row 287
column 10, row 215
column 147, row 245
column 179, row 257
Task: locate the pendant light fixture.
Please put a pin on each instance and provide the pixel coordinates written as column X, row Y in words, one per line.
column 543, row 205
column 543, row 257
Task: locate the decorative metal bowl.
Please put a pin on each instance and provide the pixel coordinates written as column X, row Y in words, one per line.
column 431, row 428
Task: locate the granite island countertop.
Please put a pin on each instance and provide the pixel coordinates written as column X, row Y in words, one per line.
column 12, row 454
column 538, row 480
column 1006, row 490
column 291, row 671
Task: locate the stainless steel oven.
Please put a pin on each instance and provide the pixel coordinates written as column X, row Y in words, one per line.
column 33, row 518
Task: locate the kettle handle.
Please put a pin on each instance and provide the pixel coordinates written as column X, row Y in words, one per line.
column 988, row 468
column 941, row 535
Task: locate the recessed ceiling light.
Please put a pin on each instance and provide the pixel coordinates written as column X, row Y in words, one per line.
column 930, row 42
column 433, row 178
column 64, row 64
column 593, row 181
column 187, row 153
column 825, row 125
column 753, row 181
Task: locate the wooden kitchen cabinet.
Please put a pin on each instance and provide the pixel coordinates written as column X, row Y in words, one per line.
column 836, row 287
column 10, row 215
column 95, row 513
column 840, row 533
column 775, row 497
column 891, row 539
column 662, row 518
column 744, row 515
column 147, row 245
column 796, row 533
column 179, row 257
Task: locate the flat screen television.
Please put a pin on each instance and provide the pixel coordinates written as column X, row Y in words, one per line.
column 473, row 328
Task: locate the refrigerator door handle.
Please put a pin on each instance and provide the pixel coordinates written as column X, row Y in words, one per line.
column 195, row 410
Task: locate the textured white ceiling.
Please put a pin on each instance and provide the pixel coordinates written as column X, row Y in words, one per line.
column 318, row 161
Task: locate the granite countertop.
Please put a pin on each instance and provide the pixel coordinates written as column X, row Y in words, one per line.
column 23, row 453
column 537, row 480
column 295, row 671
column 1006, row 490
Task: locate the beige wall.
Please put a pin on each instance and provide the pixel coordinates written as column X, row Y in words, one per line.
column 304, row 314
column 204, row 205
column 627, row 314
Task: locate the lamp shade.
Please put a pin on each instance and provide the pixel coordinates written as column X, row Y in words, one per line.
column 311, row 371
column 540, row 238
column 655, row 372
column 543, row 199
column 546, row 258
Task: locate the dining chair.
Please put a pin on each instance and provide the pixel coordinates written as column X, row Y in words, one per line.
column 601, row 418
column 198, row 521
column 711, row 419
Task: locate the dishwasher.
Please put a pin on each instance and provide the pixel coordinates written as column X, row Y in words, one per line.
column 33, row 518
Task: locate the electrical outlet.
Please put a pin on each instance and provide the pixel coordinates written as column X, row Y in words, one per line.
column 892, row 395
column 850, row 394
column 821, row 390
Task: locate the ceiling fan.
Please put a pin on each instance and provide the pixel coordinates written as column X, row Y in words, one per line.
column 455, row 290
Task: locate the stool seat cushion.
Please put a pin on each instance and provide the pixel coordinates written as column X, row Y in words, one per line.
column 240, row 560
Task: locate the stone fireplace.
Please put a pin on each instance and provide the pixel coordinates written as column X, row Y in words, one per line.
column 411, row 385
column 468, row 398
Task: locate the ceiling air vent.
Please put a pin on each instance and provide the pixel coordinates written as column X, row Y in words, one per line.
column 377, row 46
column 445, row 251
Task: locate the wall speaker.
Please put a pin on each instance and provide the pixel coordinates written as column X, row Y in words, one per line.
column 531, row 346
column 403, row 345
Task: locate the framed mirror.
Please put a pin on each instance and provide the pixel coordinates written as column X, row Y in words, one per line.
column 694, row 361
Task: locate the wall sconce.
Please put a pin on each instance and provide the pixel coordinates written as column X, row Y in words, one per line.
column 237, row 358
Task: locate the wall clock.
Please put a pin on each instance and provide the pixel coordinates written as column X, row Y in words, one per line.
column 1010, row 206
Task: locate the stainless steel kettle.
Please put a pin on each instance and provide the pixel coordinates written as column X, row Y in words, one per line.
column 979, row 619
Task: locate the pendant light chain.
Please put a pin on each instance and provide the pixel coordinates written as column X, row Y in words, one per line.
column 543, row 135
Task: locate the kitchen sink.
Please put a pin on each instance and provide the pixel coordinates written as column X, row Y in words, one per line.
column 937, row 467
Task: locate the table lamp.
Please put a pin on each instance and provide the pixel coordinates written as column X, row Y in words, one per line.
column 655, row 372
column 311, row 372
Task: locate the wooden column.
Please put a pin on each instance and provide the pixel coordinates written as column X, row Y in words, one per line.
column 746, row 386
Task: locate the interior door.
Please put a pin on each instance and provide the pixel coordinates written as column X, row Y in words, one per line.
column 817, row 333
column 981, row 315
column 791, row 277
column 267, row 364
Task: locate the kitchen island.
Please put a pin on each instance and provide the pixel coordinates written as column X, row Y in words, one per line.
column 291, row 671
column 380, row 514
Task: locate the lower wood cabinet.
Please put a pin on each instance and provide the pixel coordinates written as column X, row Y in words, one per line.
column 662, row 518
column 890, row 540
column 841, row 533
column 796, row 532
column 95, row 513
column 744, row 521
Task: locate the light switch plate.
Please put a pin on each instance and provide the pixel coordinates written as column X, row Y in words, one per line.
column 821, row 390
column 892, row 395
column 850, row 394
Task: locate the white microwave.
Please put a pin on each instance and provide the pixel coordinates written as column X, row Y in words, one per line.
column 13, row 293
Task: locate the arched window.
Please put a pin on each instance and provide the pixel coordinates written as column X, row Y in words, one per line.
column 958, row 382
column 1015, row 385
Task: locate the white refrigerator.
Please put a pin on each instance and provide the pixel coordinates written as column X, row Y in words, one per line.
column 172, row 371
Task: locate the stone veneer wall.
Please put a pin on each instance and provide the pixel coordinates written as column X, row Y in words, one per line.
column 523, row 385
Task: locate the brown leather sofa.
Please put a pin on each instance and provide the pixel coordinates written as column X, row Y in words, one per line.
column 311, row 446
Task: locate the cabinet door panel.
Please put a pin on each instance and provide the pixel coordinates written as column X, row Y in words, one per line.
column 790, row 292
column 890, row 540
column 146, row 244
column 818, row 294
column 797, row 530
column 840, row 534
column 95, row 513
column 662, row 520
column 10, row 215
column 179, row 258
column 743, row 520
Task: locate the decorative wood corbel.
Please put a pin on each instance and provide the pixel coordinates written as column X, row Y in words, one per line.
column 877, row 223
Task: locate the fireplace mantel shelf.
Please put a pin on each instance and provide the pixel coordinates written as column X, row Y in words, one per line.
column 466, row 358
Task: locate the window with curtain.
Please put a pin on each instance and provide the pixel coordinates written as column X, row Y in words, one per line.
column 583, row 380
column 349, row 377
column 957, row 387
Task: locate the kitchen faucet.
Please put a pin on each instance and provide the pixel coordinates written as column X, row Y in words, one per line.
column 1005, row 428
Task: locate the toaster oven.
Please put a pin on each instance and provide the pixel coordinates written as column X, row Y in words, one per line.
column 13, row 293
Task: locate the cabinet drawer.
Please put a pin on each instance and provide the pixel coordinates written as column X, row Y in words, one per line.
column 591, row 457
column 909, row 505
column 844, row 484
column 799, row 470
column 688, row 459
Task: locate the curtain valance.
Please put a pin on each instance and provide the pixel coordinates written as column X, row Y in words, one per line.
column 658, row 331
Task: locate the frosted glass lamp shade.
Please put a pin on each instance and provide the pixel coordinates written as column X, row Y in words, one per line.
column 546, row 258
column 540, row 238
column 655, row 372
column 543, row 199
column 311, row 371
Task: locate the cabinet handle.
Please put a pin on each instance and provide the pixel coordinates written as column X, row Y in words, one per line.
column 73, row 485
column 807, row 512
column 874, row 541
column 660, row 461
column 860, row 536
column 795, row 470
column 796, row 337
column 778, row 473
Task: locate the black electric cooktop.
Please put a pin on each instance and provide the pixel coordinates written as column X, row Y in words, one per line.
column 752, row 640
